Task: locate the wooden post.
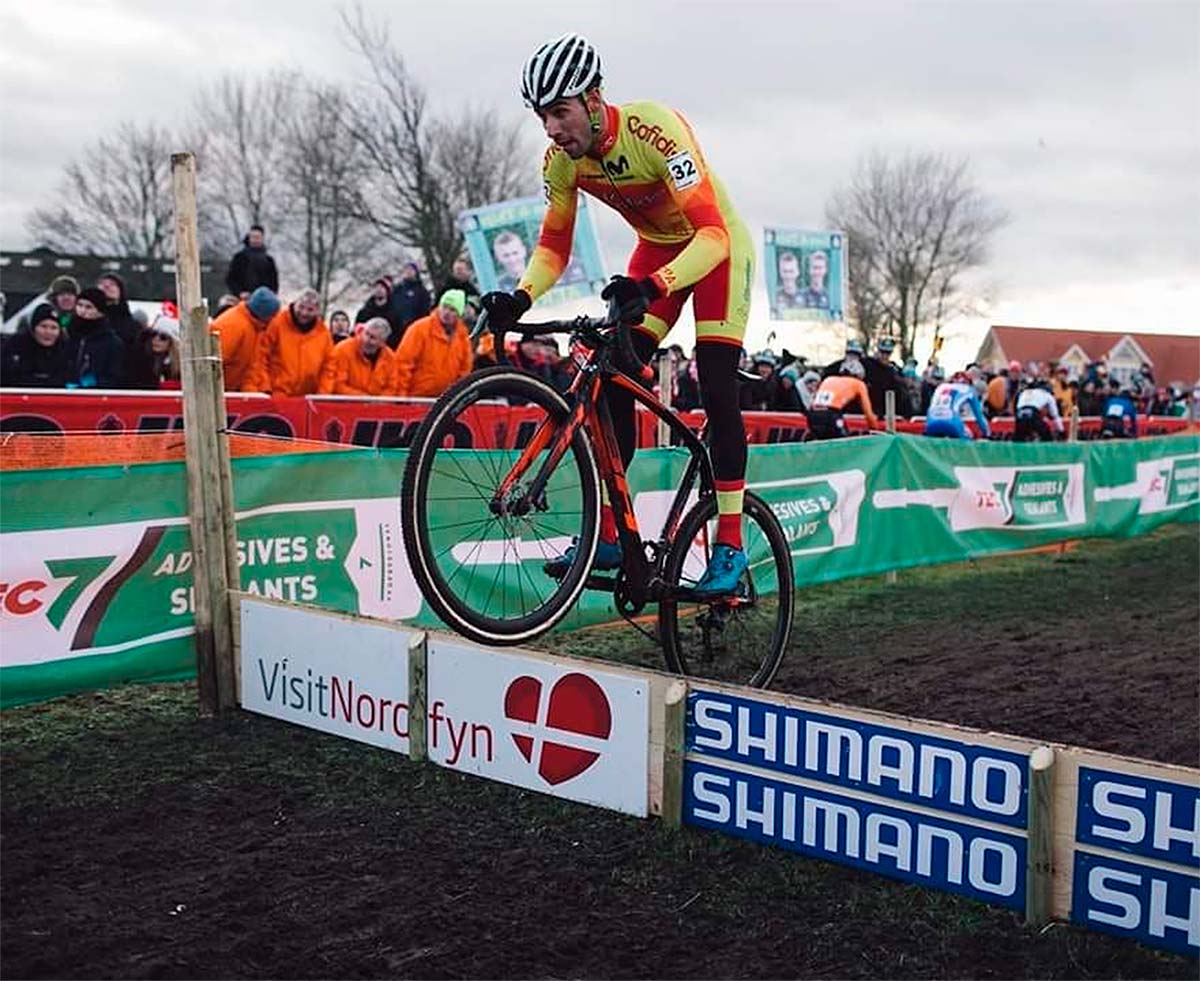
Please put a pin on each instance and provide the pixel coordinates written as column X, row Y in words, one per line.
column 675, row 714
column 1073, row 425
column 889, row 412
column 663, row 437
column 1039, row 874
column 207, row 466
column 418, row 701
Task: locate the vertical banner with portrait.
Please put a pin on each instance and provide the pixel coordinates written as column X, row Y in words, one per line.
column 806, row 274
column 501, row 237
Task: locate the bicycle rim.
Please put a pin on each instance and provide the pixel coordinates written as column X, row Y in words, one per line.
column 739, row 640
column 482, row 571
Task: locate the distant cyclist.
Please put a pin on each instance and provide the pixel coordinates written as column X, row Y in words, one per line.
column 951, row 401
column 1119, row 416
column 643, row 160
column 837, row 395
column 1036, row 410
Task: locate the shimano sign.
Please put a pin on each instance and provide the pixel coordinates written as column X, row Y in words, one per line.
column 912, row 805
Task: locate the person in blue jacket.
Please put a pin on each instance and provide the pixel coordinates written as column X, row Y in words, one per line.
column 945, row 414
column 1119, row 416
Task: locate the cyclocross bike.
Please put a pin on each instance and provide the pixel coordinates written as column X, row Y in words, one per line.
column 504, row 476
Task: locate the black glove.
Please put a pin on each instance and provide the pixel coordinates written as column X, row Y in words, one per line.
column 633, row 297
column 505, row 309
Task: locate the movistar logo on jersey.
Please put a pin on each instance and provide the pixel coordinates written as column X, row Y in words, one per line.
column 618, row 166
column 652, row 135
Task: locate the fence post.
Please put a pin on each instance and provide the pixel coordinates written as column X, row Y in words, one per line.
column 1039, row 874
column 418, row 701
column 665, row 368
column 889, row 414
column 1073, row 425
column 208, row 478
column 675, row 713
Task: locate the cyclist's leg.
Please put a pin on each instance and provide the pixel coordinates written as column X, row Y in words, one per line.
column 646, row 336
column 722, row 308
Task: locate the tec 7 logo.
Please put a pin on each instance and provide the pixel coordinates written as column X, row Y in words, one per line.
column 562, row 733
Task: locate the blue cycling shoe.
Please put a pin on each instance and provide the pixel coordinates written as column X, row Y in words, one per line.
column 725, row 570
column 608, row 557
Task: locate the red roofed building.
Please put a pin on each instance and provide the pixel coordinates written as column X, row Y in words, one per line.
column 1174, row 357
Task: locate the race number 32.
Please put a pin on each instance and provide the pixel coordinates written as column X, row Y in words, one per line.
column 683, row 170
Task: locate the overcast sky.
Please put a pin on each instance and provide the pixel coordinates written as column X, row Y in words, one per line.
column 1080, row 119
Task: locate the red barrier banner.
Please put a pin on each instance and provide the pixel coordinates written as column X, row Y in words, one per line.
column 393, row 422
column 60, row 411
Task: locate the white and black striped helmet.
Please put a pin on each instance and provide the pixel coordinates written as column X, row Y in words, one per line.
column 560, row 69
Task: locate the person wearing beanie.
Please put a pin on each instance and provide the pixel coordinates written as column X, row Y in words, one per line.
column 379, row 304
column 410, row 298
column 120, row 318
column 239, row 329
column 36, row 357
column 96, row 355
column 252, row 266
column 436, row 350
column 62, row 294
column 154, row 360
column 293, row 349
column 339, row 325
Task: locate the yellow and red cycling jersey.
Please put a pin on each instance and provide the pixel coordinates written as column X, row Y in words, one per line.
column 649, row 167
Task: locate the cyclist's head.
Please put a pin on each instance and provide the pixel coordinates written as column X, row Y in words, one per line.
column 561, row 83
column 961, row 376
column 854, row 368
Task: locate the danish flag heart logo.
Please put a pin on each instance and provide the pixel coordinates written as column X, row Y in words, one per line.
column 577, row 707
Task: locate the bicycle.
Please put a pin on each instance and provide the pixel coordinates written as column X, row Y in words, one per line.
column 536, row 491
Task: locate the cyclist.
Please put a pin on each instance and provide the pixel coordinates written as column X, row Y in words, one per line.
column 837, row 396
column 1120, row 416
column 947, row 408
column 1034, row 406
column 643, row 160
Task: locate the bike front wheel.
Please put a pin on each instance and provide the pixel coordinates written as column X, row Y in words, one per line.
column 738, row 639
column 478, row 554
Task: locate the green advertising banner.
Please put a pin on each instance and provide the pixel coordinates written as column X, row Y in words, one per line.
column 95, row 563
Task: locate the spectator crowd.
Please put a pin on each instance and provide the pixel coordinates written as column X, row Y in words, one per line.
column 408, row 341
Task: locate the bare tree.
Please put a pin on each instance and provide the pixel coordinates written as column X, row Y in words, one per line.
column 240, row 138
column 325, row 171
column 115, row 199
column 916, row 226
column 423, row 170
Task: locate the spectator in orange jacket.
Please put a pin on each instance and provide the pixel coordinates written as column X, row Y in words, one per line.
column 238, row 329
column 292, row 351
column 436, row 350
column 362, row 364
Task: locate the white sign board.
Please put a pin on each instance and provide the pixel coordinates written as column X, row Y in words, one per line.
column 560, row 729
column 344, row 676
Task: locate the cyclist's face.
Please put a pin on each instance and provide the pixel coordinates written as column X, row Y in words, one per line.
column 566, row 123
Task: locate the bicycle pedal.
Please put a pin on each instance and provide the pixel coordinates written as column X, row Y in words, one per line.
column 607, row 584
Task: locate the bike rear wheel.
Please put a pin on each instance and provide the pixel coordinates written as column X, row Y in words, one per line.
column 741, row 639
column 479, row 564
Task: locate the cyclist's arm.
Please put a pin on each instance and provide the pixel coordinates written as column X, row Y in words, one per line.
column 1052, row 408
column 980, row 419
column 864, row 399
column 553, row 249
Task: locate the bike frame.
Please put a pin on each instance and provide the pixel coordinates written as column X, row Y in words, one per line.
column 642, row 580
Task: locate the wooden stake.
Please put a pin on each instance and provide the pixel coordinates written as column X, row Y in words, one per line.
column 889, row 411
column 1073, row 425
column 1039, row 874
column 675, row 703
column 663, row 437
column 418, row 700
column 207, row 465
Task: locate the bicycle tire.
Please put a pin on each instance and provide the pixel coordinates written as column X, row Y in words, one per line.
column 424, row 502
column 690, row 636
